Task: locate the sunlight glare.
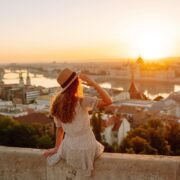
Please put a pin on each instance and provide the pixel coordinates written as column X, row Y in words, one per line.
column 152, row 43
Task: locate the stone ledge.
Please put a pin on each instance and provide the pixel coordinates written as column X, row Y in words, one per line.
column 29, row 164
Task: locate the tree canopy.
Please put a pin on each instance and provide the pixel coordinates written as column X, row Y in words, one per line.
column 13, row 133
column 154, row 137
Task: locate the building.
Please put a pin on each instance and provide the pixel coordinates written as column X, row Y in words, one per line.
column 7, row 108
column 133, row 90
column 169, row 106
column 31, row 94
column 20, row 93
column 21, row 80
column 44, row 100
column 115, row 129
column 53, row 90
column 28, row 79
column 121, row 97
column 129, row 107
column 4, row 104
column 119, row 130
column 1, row 76
column 142, row 117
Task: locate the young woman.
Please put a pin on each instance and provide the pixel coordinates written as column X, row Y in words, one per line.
column 70, row 111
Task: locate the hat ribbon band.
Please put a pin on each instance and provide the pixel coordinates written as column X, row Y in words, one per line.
column 68, row 80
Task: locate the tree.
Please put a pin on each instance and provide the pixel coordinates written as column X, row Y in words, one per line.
column 96, row 124
column 147, row 139
column 45, row 141
column 23, row 136
column 107, row 147
column 158, row 98
column 13, row 133
column 6, row 125
column 156, row 133
column 139, row 145
column 173, row 137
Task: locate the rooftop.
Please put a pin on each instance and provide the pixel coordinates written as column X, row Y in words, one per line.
column 136, row 102
column 35, row 117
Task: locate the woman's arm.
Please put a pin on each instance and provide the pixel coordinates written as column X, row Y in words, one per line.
column 105, row 98
column 59, row 138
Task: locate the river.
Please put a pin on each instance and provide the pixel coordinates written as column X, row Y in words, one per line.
column 150, row 89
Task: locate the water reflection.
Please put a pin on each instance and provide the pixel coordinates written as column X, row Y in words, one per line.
column 38, row 79
column 150, row 89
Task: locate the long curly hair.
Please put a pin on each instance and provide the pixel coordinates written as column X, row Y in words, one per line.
column 63, row 105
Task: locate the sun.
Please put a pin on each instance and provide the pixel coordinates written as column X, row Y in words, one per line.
column 152, row 43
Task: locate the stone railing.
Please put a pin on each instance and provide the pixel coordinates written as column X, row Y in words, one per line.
column 29, row 164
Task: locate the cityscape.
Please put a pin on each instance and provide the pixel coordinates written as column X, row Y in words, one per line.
column 27, row 89
column 120, row 119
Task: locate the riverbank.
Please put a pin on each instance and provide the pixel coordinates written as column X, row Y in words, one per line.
column 140, row 80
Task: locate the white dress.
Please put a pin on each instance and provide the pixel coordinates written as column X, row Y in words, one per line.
column 79, row 147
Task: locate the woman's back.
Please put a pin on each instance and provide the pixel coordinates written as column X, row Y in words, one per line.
column 79, row 147
column 81, row 121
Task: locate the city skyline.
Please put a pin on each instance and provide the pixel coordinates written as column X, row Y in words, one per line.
column 78, row 30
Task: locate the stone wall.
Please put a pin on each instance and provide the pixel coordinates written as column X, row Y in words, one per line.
column 29, row 164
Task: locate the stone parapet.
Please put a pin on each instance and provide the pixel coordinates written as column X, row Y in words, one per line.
column 29, row 164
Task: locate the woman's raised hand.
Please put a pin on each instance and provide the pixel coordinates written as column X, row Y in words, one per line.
column 87, row 80
column 105, row 99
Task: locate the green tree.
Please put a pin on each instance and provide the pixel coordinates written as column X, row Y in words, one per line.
column 107, row 147
column 45, row 141
column 156, row 133
column 6, row 125
column 96, row 124
column 23, row 136
column 147, row 139
column 173, row 137
column 13, row 133
column 139, row 145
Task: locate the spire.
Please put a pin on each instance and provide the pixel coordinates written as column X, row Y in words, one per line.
column 1, row 77
column 133, row 90
column 28, row 79
column 21, row 80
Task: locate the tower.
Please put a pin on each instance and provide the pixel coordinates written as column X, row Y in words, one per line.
column 133, row 89
column 28, row 79
column 21, row 80
column 139, row 60
column 1, row 77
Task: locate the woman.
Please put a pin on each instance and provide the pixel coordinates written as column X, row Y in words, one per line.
column 70, row 111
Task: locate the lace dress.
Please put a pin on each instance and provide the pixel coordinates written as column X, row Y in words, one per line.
column 79, row 147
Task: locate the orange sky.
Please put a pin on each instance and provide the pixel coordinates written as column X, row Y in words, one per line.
column 46, row 30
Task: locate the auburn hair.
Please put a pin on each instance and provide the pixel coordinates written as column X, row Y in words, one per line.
column 63, row 105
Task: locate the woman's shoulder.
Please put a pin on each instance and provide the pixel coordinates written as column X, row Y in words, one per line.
column 88, row 102
column 57, row 121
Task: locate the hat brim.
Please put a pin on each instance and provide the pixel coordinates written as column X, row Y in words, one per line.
column 64, row 89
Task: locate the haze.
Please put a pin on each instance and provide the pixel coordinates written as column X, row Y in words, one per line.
column 76, row 30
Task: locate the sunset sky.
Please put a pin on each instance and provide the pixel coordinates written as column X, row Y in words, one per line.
column 48, row 30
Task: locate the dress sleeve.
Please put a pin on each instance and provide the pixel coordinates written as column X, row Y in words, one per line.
column 57, row 122
column 89, row 103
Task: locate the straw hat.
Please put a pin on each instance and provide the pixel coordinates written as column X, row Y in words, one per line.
column 66, row 78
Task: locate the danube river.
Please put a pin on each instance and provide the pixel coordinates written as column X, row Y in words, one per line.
column 150, row 89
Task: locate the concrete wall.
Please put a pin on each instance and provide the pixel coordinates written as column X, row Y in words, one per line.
column 29, row 164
